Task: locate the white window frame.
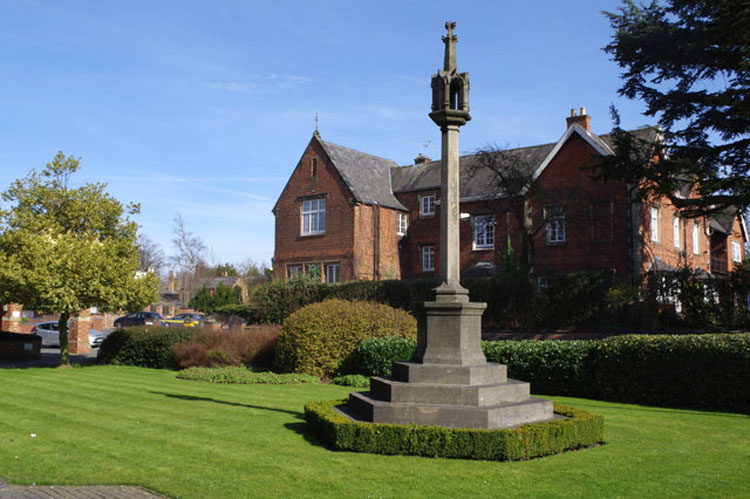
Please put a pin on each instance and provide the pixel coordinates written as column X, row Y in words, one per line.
column 313, row 213
column 655, row 217
column 676, row 229
column 696, row 238
column 736, row 252
column 428, row 258
column 555, row 224
column 402, row 223
column 333, row 272
column 427, row 205
column 484, row 231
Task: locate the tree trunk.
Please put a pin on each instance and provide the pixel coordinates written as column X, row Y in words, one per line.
column 62, row 327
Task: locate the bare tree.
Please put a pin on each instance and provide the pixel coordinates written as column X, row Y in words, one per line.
column 508, row 174
column 190, row 250
column 189, row 258
column 150, row 255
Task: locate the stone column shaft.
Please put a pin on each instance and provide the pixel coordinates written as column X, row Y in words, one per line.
column 449, row 215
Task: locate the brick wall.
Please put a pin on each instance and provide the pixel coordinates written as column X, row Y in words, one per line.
column 336, row 245
column 597, row 228
column 12, row 318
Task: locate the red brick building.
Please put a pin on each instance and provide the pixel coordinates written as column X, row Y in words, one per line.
column 348, row 215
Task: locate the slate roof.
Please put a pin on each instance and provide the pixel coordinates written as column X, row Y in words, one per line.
column 367, row 176
column 723, row 221
column 474, row 185
column 646, row 133
column 374, row 180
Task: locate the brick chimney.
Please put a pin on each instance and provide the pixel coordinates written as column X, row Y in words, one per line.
column 583, row 120
column 421, row 159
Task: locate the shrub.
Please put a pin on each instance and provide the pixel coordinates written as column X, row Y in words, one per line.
column 235, row 347
column 375, row 356
column 245, row 312
column 243, row 375
column 709, row 371
column 552, row 367
column 207, row 300
column 579, row 429
column 354, row 380
column 319, row 339
column 145, row 346
column 277, row 300
column 698, row 371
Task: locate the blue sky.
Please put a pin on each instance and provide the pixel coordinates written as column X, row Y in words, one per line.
column 203, row 109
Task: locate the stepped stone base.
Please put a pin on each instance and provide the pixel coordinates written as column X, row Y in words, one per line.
column 530, row 410
column 486, row 398
column 450, row 383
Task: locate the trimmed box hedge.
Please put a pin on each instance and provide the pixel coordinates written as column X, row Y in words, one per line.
column 337, row 431
column 710, row 371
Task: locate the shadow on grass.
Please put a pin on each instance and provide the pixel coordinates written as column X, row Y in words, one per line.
column 192, row 398
column 634, row 407
column 302, row 429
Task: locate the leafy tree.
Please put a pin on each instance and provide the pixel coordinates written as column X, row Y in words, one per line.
column 202, row 301
column 207, row 301
column 689, row 61
column 64, row 249
column 224, row 270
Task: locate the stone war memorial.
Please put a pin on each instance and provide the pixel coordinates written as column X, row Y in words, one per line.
column 448, row 383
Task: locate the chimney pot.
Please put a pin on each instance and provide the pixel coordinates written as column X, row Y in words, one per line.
column 584, row 120
column 421, row 159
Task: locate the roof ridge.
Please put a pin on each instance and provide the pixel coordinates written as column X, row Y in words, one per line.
column 357, row 151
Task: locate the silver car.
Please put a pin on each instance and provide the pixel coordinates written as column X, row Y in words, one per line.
column 51, row 336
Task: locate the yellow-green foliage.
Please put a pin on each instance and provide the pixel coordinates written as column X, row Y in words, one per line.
column 320, row 338
column 578, row 429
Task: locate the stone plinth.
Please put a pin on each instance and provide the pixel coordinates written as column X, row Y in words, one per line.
column 449, row 382
column 452, row 337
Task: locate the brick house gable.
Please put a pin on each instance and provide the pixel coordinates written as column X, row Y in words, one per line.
column 359, row 240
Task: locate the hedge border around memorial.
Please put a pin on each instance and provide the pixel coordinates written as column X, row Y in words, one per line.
column 578, row 430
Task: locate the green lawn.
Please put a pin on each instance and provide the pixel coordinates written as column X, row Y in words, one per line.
column 123, row 425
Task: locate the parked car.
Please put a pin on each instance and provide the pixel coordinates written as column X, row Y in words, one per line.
column 138, row 319
column 183, row 320
column 51, row 335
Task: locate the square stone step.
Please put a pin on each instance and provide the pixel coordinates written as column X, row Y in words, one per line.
column 483, row 374
column 531, row 410
column 390, row 390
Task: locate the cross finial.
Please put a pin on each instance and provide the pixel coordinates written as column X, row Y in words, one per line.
column 316, row 124
column 450, row 25
column 449, row 64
